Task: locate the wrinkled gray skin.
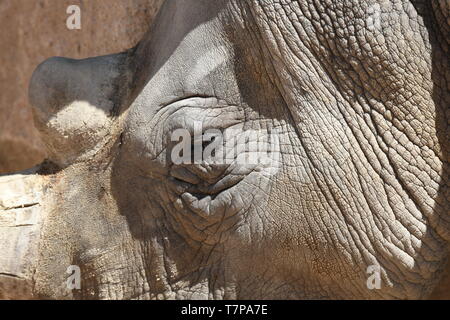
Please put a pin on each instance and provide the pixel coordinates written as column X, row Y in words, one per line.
column 361, row 109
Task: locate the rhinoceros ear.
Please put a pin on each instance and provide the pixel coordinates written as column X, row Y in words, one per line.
column 73, row 104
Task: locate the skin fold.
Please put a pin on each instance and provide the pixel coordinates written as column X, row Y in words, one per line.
column 357, row 93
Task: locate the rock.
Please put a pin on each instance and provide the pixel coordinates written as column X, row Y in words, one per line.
column 32, row 31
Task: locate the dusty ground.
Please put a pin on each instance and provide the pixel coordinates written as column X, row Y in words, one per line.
column 33, row 30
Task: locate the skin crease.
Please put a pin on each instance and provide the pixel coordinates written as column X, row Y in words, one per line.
column 359, row 102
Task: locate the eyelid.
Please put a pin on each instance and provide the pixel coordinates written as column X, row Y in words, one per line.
column 196, row 119
column 196, row 101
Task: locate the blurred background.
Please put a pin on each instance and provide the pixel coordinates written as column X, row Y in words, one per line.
column 34, row 30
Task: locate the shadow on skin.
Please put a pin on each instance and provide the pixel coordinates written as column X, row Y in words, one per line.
column 433, row 16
